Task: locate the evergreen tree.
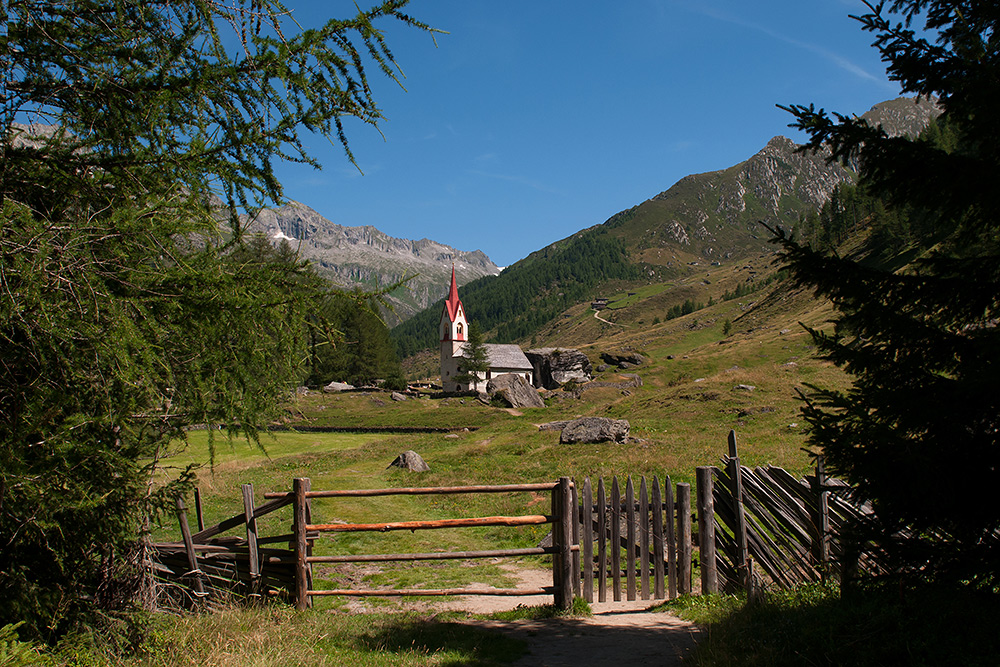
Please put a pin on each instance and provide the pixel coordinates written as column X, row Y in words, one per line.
column 127, row 311
column 475, row 358
column 918, row 432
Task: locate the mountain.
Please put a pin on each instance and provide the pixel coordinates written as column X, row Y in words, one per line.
column 366, row 257
column 657, row 246
column 717, row 215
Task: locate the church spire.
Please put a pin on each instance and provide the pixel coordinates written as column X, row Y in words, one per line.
column 453, row 303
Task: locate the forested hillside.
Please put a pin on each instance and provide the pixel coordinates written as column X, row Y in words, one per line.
column 529, row 293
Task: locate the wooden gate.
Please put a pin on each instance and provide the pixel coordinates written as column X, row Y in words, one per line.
column 644, row 539
column 562, row 548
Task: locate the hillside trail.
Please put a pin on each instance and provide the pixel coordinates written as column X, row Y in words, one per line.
column 618, row 632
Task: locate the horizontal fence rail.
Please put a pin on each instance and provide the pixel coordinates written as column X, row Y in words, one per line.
column 561, row 550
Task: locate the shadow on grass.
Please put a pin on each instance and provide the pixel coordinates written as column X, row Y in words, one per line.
column 452, row 643
column 815, row 626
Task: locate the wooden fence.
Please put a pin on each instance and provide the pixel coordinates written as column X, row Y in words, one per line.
column 756, row 528
column 204, row 561
column 561, row 549
column 791, row 529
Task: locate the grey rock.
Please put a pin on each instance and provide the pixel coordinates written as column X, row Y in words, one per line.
column 410, row 460
column 554, row 366
column 744, row 387
column 334, row 387
column 515, row 391
column 396, row 396
column 595, row 429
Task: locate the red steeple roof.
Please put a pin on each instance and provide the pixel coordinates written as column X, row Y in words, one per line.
column 452, row 303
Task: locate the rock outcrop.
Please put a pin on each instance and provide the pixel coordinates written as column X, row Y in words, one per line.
column 554, row 366
column 410, row 460
column 515, row 391
column 595, row 429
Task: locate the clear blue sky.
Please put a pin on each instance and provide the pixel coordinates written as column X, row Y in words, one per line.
column 533, row 119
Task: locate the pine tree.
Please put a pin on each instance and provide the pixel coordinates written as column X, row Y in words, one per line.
column 475, row 358
column 918, row 433
column 127, row 310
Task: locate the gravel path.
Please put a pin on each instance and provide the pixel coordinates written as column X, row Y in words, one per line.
column 617, row 632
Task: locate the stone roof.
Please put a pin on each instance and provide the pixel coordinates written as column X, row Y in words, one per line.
column 506, row 356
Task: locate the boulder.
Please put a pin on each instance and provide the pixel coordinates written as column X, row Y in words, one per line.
column 396, row 396
column 334, row 387
column 515, row 391
column 595, row 429
column 410, row 460
column 555, row 366
column 623, row 359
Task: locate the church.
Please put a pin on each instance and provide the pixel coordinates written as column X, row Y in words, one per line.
column 454, row 329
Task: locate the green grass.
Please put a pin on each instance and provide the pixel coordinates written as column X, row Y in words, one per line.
column 814, row 625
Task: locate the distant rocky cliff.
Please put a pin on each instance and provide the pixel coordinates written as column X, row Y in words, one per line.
column 364, row 256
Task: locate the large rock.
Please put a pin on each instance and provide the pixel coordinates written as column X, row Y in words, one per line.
column 335, row 387
column 555, row 366
column 515, row 391
column 623, row 359
column 595, row 429
column 410, row 460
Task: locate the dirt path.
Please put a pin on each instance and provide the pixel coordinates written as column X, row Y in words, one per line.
column 617, row 632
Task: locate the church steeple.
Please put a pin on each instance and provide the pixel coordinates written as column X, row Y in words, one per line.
column 453, row 305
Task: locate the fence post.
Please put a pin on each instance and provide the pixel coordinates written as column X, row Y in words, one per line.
column 706, row 531
column 588, row 541
column 740, row 529
column 629, row 539
column 562, row 538
column 300, row 485
column 251, row 522
column 670, row 509
column 197, row 509
column 192, row 557
column 659, row 540
column 684, row 538
column 577, row 520
column 823, row 520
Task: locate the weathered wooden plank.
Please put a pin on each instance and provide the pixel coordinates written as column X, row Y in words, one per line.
column 588, row 541
column 300, row 486
column 545, row 590
column 823, row 519
column 671, row 523
column 602, row 542
column 740, row 525
column 616, row 540
column 423, row 490
column 644, row 537
column 576, row 514
column 684, row 538
column 528, row 520
column 253, row 556
column 197, row 509
column 564, row 587
column 659, row 589
column 706, row 532
column 434, row 555
column 192, row 558
column 630, row 542
column 232, row 522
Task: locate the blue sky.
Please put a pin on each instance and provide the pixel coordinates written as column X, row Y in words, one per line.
column 533, row 119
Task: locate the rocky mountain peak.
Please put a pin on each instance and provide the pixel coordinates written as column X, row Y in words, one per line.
column 363, row 255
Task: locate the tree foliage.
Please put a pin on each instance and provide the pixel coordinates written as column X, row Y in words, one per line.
column 919, row 430
column 475, row 358
column 127, row 310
